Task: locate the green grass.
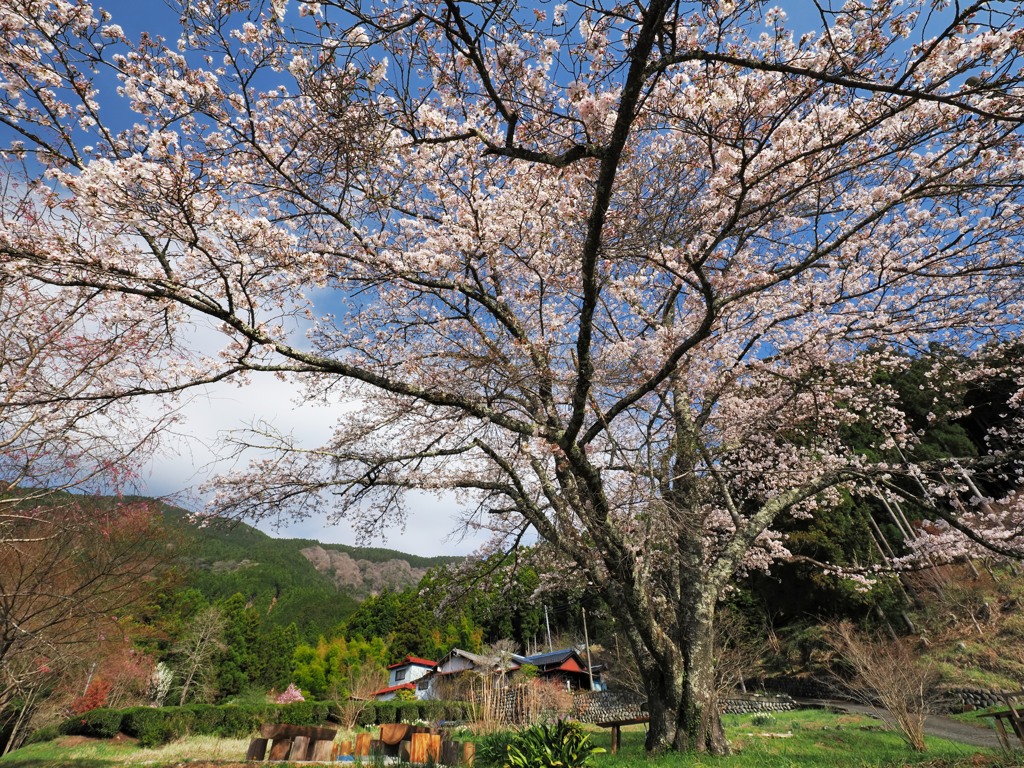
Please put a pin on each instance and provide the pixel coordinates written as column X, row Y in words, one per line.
column 803, row 738
column 100, row 753
column 806, row 738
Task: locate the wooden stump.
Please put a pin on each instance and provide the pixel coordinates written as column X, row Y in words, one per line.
column 451, row 751
column 434, row 748
column 362, row 744
column 321, row 750
column 468, row 753
column 300, row 746
column 418, row 747
column 403, row 752
column 345, row 748
column 280, row 749
column 257, row 750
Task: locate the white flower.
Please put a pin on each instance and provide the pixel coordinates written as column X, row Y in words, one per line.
column 299, row 66
column 357, row 36
column 377, row 73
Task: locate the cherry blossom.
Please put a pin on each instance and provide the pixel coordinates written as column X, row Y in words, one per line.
column 622, row 278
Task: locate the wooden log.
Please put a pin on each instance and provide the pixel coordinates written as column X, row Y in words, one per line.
column 394, row 733
column 468, row 753
column 419, row 746
column 345, row 748
column 434, row 747
column 363, row 744
column 287, row 731
column 451, row 751
column 280, row 749
column 300, row 746
column 321, row 750
column 257, row 750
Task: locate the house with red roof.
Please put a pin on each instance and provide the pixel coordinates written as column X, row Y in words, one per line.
column 409, row 675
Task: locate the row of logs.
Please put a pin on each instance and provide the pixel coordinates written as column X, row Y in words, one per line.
column 299, row 744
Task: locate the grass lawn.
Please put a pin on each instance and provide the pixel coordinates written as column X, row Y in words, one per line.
column 807, row 738
column 803, row 738
column 110, row 753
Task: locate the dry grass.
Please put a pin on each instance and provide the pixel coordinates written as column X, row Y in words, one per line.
column 194, row 748
column 889, row 673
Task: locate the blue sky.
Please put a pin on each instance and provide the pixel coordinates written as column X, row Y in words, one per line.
column 187, row 459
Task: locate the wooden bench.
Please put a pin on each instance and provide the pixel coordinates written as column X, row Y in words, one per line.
column 616, row 726
column 296, row 743
column 1012, row 717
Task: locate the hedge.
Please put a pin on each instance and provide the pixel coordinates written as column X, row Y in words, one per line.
column 155, row 726
column 99, row 723
column 380, row 712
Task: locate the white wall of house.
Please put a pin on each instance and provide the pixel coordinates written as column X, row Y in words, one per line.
column 455, row 664
column 406, row 673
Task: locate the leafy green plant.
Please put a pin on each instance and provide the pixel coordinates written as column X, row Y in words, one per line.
column 44, row 734
column 762, row 718
column 492, row 748
column 152, row 727
column 562, row 745
column 99, row 723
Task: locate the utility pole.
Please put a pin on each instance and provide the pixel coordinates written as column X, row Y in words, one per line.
column 548, row 625
column 586, row 641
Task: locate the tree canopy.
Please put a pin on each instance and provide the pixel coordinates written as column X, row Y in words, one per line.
column 622, row 275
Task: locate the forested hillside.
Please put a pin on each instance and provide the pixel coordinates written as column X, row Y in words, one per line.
column 223, row 558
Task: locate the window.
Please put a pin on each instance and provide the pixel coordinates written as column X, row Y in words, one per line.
column 400, row 674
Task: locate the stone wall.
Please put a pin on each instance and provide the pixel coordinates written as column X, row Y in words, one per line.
column 738, row 705
column 514, row 706
column 968, row 699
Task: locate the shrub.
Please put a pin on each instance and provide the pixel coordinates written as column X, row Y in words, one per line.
column 203, row 719
column 156, row 726
column 387, row 712
column 890, row 673
column 408, row 712
column 96, row 723
column 492, row 748
column 562, row 745
column 239, row 721
column 152, row 727
column 762, row 718
column 46, row 733
column 367, row 716
column 95, row 697
column 456, row 710
column 304, row 713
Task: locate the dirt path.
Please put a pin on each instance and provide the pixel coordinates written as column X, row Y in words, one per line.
column 934, row 725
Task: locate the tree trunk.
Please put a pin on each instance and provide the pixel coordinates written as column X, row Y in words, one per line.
column 700, row 722
column 682, row 698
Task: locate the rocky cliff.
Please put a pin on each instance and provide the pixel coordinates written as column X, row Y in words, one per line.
column 362, row 576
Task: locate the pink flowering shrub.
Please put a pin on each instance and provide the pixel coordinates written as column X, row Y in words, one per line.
column 290, row 695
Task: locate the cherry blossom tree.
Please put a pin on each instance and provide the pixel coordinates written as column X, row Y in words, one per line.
column 68, row 574
column 65, row 363
column 621, row 275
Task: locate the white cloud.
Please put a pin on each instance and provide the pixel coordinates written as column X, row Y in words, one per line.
column 190, row 458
